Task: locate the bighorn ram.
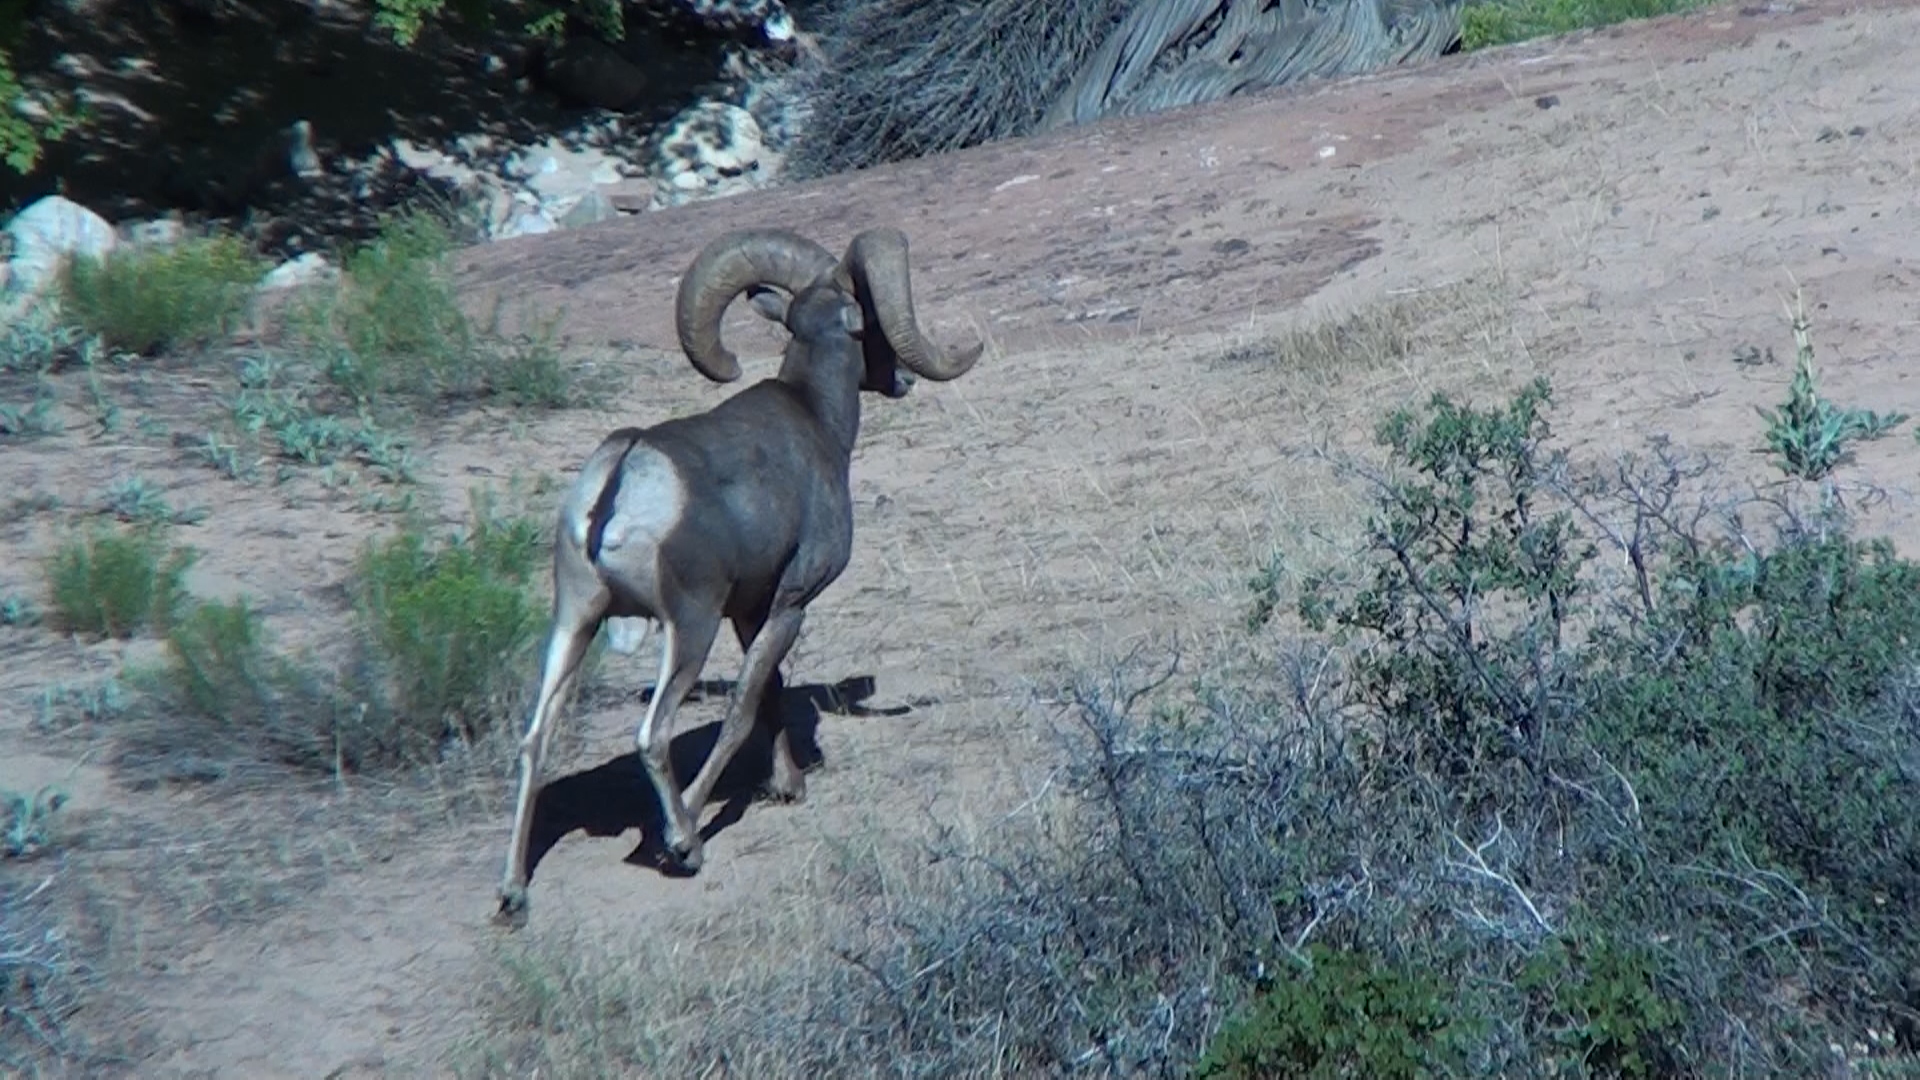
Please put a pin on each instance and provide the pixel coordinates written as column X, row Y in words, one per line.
column 742, row 512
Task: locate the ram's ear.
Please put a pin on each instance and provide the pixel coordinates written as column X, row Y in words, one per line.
column 770, row 303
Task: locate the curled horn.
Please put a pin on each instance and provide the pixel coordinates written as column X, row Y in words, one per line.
column 875, row 269
column 729, row 265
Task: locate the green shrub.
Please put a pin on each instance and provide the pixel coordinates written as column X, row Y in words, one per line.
column 397, row 317
column 394, row 326
column 1502, row 22
column 231, row 694
column 114, row 583
column 1603, row 1006
column 148, row 300
column 1709, row 748
column 450, row 627
column 441, row 655
column 1347, row 1015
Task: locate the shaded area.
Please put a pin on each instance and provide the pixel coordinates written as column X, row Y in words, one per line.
column 189, row 104
column 617, row 795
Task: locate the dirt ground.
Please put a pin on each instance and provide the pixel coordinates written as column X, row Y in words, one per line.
column 1627, row 212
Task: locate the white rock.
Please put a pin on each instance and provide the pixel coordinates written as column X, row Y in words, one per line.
column 560, row 184
column 48, row 233
column 417, row 157
column 529, row 224
column 159, row 232
column 558, row 206
column 593, row 207
column 714, row 139
column 305, row 270
column 497, row 207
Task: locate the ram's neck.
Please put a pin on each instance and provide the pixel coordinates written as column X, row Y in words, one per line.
column 831, row 391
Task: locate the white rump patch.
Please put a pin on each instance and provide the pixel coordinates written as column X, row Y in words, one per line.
column 649, row 504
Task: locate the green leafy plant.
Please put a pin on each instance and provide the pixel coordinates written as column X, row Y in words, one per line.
column 149, row 300
column 232, row 693
column 1602, row 1004
column 22, row 137
column 1348, row 1014
column 34, row 419
column 1807, row 436
column 134, row 499
column 26, row 819
column 37, row 341
column 1471, row 585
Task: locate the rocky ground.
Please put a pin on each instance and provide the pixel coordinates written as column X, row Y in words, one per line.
column 1625, row 211
column 302, row 147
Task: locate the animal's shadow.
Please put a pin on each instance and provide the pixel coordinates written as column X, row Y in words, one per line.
column 613, row 797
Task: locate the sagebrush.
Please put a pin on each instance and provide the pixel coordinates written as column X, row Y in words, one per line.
column 152, row 299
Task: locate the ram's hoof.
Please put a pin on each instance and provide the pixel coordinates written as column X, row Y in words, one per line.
column 688, row 856
column 788, row 787
column 512, row 912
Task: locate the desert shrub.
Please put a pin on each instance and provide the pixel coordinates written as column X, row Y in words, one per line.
column 440, row 656
column 394, row 327
column 450, row 627
column 117, row 582
column 231, row 695
column 904, row 79
column 34, row 417
column 148, row 300
column 1600, row 1007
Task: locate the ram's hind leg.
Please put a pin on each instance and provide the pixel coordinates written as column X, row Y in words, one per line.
column 787, row 783
column 683, row 651
column 576, row 615
column 768, row 649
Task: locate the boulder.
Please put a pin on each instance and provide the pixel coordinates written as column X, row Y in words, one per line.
column 592, row 208
column 50, row 232
column 710, row 149
column 308, row 269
